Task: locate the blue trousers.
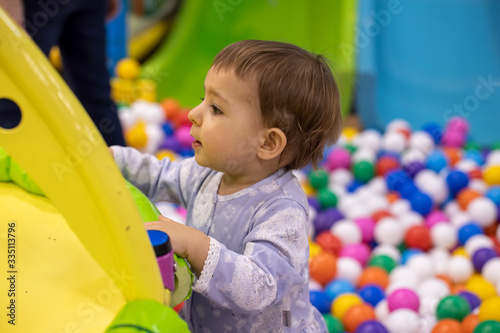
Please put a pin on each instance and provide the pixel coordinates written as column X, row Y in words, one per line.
column 78, row 27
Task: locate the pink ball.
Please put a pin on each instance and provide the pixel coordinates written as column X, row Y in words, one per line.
column 403, row 299
column 338, row 158
column 182, row 211
column 183, row 137
column 458, row 124
column 434, row 217
column 359, row 251
column 366, row 225
column 452, row 138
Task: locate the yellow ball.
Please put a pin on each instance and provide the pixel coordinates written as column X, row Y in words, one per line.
column 350, row 132
column 308, row 189
column 490, row 309
column 127, row 68
column 342, row 303
column 492, row 175
column 166, row 153
column 314, row 249
column 481, row 287
column 460, row 251
column 136, row 136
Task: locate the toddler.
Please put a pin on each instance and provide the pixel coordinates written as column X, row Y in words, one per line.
column 269, row 107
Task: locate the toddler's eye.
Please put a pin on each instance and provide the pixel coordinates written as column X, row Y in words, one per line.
column 216, row 110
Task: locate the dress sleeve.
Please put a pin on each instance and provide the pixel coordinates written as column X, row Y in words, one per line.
column 274, row 260
column 160, row 180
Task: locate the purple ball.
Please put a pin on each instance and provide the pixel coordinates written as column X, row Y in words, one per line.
column 170, row 143
column 314, row 203
column 371, row 326
column 471, row 298
column 326, row 218
column 413, row 168
column 481, row 256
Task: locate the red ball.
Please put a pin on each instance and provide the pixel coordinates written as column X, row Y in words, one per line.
column 386, row 164
column 329, row 242
column 378, row 215
column 323, row 267
column 181, row 119
column 418, row 237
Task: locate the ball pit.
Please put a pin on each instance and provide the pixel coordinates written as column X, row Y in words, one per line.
column 413, row 229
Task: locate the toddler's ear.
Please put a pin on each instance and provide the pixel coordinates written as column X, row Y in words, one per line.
column 272, row 144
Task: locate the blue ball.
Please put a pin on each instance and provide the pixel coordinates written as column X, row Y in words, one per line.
column 468, row 230
column 338, row 287
column 372, row 294
column 408, row 189
column 319, row 300
column 408, row 253
column 436, row 161
column 475, row 156
column 395, row 179
column 168, row 128
column 434, row 130
column 354, row 185
column 421, row 203
column 456, row 181
column 494, row 194
column 188, row 152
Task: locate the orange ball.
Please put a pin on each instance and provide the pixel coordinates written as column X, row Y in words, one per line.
column 418, row 237
column 392, row 197
column 386, row 164
column 454, row 154
column 323, row 267
column 329, row 242
column 465, row 196
column 374, row 275
column 448, row 326
column 469, row 323
column 380, row 215
column 356, row 315
column 170, row 107
column 181, row 119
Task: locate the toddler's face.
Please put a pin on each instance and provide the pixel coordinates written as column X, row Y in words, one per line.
column 227, row 124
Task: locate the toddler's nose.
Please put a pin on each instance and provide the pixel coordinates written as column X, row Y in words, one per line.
column 194, row 116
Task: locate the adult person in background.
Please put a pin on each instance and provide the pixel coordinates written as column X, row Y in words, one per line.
column 78, row 28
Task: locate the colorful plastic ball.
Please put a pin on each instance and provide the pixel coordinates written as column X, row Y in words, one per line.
column 491, row 175
column 408, row 254
column 434, row 130
column 481, row 287
column 322, row 267
column 388, row 231
column 490, row 309
column 338, row 158
column 488, row 326
column 483, row 210
column 447, row 326
column 433, row 288
column 493, row 194
column 344, row 302
column 459, row 268
column 468, row 230
column 403, row 299
column 395, row 178
column 170, row 143
column 407, row 189
column 394, row 141
column 357, row 251
column 482, row 256
column 453, row 154
column 418, row 237
column 421, row 264
column 383, row 261
column 471, row 298
column 456, row 181
column 372, row 294
column 436, row 161
column 183, row 137
column 354, row 185
column 338, row 287
column 374, row 275
column 371, row 326
column 476, row 242
column 453, row 139
column 444, row 235
column 318, row 179
column 320, row 301
column 166, row 153
column 367, row 227
column 127, row 68
column 181, row 119
column 347, row 231
column 168, row 128
column 403, row 320
column 435, row 217
column 491, row 270
column 325, row 219
column 329, row 242
column 465, row 196
column 327, row 199
column 363, row 171
column 413, row 168
column 386, row 164
column 170, row 107
column 421, row 203
column 333, row 324
column 469, row 323
column 356, row 315
column 454, row 307
column 349, row 269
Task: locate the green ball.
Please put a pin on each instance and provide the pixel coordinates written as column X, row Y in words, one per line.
column 318, row 179
column 454, row 307
column 363, row 171
column 472, row 146
column 333, row 324
column 350, row 148
column 488, row 326
column 495, row 146
column 327, row 199
column 401, row 247
column 383, row 261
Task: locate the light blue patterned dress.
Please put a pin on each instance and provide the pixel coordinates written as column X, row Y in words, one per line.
column 255, row 277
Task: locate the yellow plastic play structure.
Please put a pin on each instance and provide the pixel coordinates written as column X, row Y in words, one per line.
column 80, row 253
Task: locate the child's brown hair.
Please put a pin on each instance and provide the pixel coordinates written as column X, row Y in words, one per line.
column 297, row 94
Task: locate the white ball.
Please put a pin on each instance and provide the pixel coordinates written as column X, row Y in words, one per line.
column 363, row 154
column 398, row 124
column 340, row 176
column 401, row 284
column 428, row 305
column 433, row 287
column 400, row 207
column 394, row 142
column 339, row 190
column 376, row 203
column 422, row 141
column 410, row 219
column 388, row 250
column 451, row 208
column 347, row 231
column 151, row 113
column 369, row 139
column 427, row 323
column 425, row 176
column 378, row 185
column 444, row 235
column 421, row 264
column 127, row 118
column 459, row 269
column 403, row 273
column 466, row 165
column 349, row 269
column 413, row 155
column 347, row 201
column 356, row 211
column 436, row 189
column 478, row 185
column 439, row 257
column 493, row 158
column 403, row 320
column 155, row 135
column 459, row 219
column 483, row 210
column 382, row 310
column 491, row 270
column 476, row 242
column 315, row 286
column 388, row 231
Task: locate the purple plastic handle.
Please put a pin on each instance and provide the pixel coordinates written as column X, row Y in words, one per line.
column 166, row 264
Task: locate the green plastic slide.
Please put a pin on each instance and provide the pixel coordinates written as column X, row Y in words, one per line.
column 203, row 28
